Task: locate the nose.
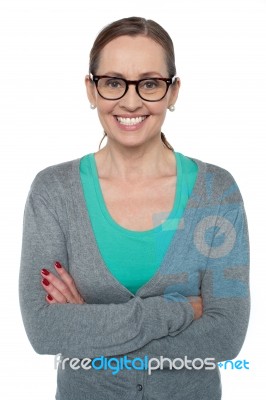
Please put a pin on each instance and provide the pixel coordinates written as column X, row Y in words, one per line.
column 131, row 100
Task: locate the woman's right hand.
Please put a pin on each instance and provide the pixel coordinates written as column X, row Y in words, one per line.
column 196, row 303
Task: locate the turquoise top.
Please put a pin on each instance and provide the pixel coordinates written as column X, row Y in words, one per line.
column 133, row 257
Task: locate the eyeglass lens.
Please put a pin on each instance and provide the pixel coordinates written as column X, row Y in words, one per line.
column 149, row 89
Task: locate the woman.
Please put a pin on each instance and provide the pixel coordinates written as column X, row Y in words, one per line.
column 123, row 246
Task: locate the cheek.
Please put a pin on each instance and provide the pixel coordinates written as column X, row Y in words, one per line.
column 158, row 110
column 104, row 110
column 105, row 116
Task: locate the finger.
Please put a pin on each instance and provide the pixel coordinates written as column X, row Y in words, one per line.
column 50, row 299
column 62, row 288
column 54, row 292
column 69, row 281
column 66, row 277
column 58, row 284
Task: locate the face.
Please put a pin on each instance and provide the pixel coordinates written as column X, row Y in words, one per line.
column 132, row 58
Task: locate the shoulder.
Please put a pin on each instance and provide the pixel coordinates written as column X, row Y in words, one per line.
column 56, row 179
column 217, row 182
column 221, row 174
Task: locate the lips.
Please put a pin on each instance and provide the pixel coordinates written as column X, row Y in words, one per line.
column 131, row 121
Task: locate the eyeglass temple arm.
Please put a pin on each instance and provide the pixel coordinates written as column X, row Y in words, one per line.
column 90, row 76
column 174, row 79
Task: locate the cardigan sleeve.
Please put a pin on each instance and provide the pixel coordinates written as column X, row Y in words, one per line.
column 83, row 330
column 221, row 330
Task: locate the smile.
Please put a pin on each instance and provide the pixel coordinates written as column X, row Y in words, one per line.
column 130, row 121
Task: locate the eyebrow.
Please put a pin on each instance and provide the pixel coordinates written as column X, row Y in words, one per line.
column 144, row 75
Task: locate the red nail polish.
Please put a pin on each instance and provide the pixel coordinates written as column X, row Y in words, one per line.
column 45, row 272
column 49, row 297
column 45, row 282
column 57, row 264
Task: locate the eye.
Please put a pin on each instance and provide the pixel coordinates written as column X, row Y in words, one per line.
column 149, row 84
column 113, row 83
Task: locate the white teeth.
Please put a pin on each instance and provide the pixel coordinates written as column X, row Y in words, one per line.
column 130, row 121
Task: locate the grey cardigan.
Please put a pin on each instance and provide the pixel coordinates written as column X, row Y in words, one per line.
column 208, row 255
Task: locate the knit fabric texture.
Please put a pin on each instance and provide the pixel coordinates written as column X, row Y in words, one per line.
column 208, row 256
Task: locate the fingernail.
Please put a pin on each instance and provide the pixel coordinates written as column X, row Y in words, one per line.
column 45, row 272
column 57, row 264
column 49, row 297
column 45, row 282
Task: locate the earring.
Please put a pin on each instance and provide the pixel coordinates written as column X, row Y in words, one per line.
column 92, row 106
column 171, row 108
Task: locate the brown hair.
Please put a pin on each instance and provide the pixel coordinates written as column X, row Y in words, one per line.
column 134, row 26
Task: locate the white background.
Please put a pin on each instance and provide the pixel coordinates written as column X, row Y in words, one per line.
column 45, row 119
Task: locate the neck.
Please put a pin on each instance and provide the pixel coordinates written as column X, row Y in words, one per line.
column 135, row 165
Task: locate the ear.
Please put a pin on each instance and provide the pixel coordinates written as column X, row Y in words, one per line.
column 174, row 92
column 90, row 87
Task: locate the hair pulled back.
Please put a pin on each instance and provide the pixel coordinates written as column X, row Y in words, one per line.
column 134, row 26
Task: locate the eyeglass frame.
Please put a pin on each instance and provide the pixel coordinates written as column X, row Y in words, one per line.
column 96, row 78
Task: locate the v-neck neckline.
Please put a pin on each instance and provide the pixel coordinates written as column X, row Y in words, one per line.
column 193, row 202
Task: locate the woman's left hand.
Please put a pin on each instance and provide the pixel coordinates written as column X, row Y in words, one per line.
column 60, row 290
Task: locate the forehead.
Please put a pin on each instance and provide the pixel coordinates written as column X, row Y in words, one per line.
column 132, row 56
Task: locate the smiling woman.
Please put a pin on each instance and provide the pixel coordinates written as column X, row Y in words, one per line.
column 135, row 250
column 158, row 89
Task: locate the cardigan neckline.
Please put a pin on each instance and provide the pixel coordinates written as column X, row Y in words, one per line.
column 192, row 203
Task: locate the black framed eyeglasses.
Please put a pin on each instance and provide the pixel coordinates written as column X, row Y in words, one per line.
column 148, row 89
